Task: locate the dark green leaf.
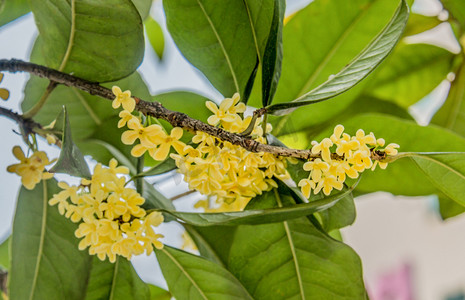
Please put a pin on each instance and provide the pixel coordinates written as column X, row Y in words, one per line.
column 12, row 9
column 357, row 69
column 114, row 281
column 293, row 259
column 46, row 263
column 97, row 40
column 419, row 23
column 213, row 242
column 342, row 214
column 5, row 254
column 193, row 277
column 157, row 293
column 410, row 73
column 449, row 208
column 215, row 37
column 452, row 113
column 445, row 170
column 71, row 161
column 261, row 216
column 163, row 167
column 266, row 20
column 457, row 9
column 402, row 177
column 155, row 36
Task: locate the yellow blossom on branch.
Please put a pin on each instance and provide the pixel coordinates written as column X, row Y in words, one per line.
column 4, row 93
column 123, row 99
column 352, row 155
column 111, row 219
column 31, row 169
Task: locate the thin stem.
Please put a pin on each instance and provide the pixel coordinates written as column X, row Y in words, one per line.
column 37, row 107
column 139, row 181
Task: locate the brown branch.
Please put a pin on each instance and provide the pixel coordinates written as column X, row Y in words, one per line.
column 154, row 109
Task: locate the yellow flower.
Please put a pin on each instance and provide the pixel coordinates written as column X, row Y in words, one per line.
column 111, row 220
column 316, row 168
column 31, row 169
column 123, row 98
column 4, row 93
column 323, row 148
column 306, row 186
column 125, row 116
column 144, row 134
column 221, row 113
column 166, row 142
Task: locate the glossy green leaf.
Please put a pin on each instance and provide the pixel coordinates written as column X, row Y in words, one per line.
column 410, row 73
column 155, row 36
column 46, row 262
column 71, row 161
column 163, row 167
column 445, row 170
column 357, row 69
column 266, row 19
column 5, row 254
column 452, row 113
column 419, row 23
column 402, row 177
column 216, row 38
column 449, row 208
column 293, row 260
column 115, row 281
column 12, row 9
column 143, row 7
column 97, row 40
column 342, row 214
column 157, row 293
column 457, row 9
column 193, row 277
column 261, row 216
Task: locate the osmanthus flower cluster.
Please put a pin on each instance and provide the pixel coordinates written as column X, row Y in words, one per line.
column 341, row 156
column 228, row 172
column 31, row 169
column 111, row 221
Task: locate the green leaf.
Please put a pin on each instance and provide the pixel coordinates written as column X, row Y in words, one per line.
column 213, row 242
column 189, row 103
column 143, row 7
column 449, row 208
column 193, row 277
column 266, row 21
column 260, row 216
column 165, row 166
column 364, row 63
column 457, row 9
column 155, row 200
column 157, row 293
column 445, row 170
column 5, row 254
column 419, row 23
column 402, row 177
column 46, row 262
column 114, row 281
column 293, row 259
column 97, row 40
column 342, row 214
column 452, row 113
column 71, row 161
column 12, row 9
column 410, row 73
column 155, row 36
column 216, row 38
